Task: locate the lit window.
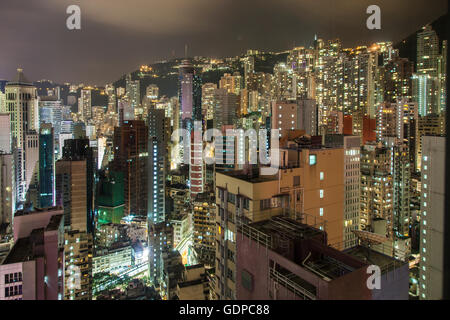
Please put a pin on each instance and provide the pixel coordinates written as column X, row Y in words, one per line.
column 312, row 159
column 321, row 212
column 321, row 194
column 322, row 176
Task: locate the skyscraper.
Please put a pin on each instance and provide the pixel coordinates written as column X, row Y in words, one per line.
column 22, row 106
column 131, row 157
column 133, row 93
column 432, row 212
column 157, row 164
column 427, row 51
column 190, row 94
column 5, row 133
column 33, row 269
column 46, row 167
column 85, row 104
column 50, row 112
column 7, row 192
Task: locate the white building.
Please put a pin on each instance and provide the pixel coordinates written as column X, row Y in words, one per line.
column 22, row 106
column 113, row 261
column 432, row 210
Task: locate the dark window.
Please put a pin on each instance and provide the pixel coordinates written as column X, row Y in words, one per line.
column 246, row 203
column 231, row 198
column 247, row 280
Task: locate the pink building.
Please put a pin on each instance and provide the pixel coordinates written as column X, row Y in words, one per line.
column 282, row 259
column 34, row 268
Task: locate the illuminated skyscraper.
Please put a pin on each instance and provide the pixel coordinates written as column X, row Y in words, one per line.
column 225, row 108
column 232, row 83
column 432, row 212
column 7, row 191
column 46, row 167
column 85, row 104
column 249, row 69
column 427, row 51
column 208, row 90
column 133, row 92
column 376, row 186
column 157, row 164
column 131, row 158
column 22, row 106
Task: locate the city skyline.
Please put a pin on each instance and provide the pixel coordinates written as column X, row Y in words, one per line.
column 42, row 45
column 310, row 170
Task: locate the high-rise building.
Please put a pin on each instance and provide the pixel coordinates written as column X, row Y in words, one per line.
column 225, row 108
column 85, row 104
column 75, row 178
column 352, row 178
column 424, row 92
column 110, row 198
column 190, row 95
column 196, row 162
column 208, row 90
column 402, row 190
column 22, row 106
column 204, row 228
column 7, row 192
column 78, row 251
column 300, row 115
column 430, row 125
column 160, row 238
column 249, row 69
column 157, row 164
column 5, row 133
column 133, row 93
column 74, row 192
column 432, row 212
column 33, row 270
column 376, row 186
column 131, row 157
column 46, row 167
column 32, row 167
column 427, row 51
column 232, row 83
column 310, row 186
column 50, row 112
column 152, row 92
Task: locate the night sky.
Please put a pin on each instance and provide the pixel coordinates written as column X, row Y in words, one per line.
column 117, row 35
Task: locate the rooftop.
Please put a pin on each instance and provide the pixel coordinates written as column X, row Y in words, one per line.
column 21, row 252
column 373, row 257
column 252, row 176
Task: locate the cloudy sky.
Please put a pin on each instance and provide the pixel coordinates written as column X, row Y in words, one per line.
column 117, row 36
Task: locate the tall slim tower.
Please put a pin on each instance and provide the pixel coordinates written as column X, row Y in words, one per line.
column 131, row 158
column 22, row 106
column 432, row 211
column 157, row 159
column 46, row 167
